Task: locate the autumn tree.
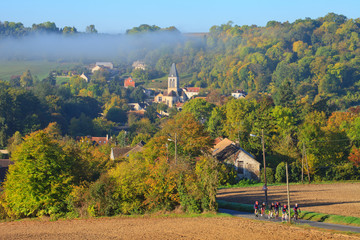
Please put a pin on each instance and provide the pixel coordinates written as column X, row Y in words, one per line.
column 26, row 80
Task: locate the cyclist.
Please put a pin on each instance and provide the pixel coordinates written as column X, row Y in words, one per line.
column 272, row 209
column 256, row 208
column 296, row 212
column 284, row 213
column 277, row 207
column 263, row 208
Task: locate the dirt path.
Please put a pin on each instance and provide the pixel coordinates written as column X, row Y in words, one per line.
column 339, row 198
column 160, row 228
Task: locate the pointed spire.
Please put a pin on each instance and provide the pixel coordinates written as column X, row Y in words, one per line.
column 173, row 71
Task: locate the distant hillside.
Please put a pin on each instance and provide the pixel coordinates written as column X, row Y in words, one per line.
column 309, row 59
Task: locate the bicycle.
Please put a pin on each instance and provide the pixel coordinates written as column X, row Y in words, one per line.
column 262, row 211
column 284, row 217
column 277, row 214
column 296, row 216
column 272, row 214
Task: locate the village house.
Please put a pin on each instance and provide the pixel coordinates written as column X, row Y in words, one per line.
column 108, row 65
column 96, row 68
column 94, row 140
column 129, row 82
column 101, row 66
column 139, row 65
column 191, row 91
column 124, row 152
column 137, row 106
column 239, row 94
column 85, row 77
column 244, row 163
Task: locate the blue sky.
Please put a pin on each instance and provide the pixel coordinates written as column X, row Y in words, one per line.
column 187, row 15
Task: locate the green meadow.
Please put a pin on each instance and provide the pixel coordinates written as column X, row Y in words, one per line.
column 38, row 69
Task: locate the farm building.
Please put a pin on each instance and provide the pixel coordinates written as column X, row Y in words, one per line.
column 245, row 164
column 124, row 152
column 129, row 82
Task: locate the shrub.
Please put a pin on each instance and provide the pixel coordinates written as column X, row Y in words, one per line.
column 280, row 175
column 101, row 198
column 347, row 171
column 161, row 186
column 3, row 212
column 269, row 175
column 197, row 190
column 130, row 185
column 77, row 201
column 227, row 174
column 295, row 172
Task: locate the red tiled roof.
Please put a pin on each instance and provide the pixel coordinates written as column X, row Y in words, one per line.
column 99, row 140
column 193, row 89
column 179, row 104
column 217, row 140
column 129, row 82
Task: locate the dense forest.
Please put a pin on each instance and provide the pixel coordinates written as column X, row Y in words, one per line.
column 302, row 80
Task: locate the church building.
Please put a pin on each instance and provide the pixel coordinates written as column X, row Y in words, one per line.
column 174, row 93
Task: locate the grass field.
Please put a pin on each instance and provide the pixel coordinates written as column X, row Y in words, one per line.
column 38, row 69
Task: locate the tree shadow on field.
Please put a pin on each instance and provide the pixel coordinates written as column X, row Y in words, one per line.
column 317, row 204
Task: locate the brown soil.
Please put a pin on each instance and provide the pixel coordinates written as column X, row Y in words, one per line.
column 160, row 228
column 339, row 198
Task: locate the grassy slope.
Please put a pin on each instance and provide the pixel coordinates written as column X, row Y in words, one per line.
column 162, row 82
column 40, row 69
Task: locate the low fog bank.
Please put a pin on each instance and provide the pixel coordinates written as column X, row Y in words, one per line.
column 80, row 46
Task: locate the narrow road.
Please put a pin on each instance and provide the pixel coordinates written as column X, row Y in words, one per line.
column 331, row 226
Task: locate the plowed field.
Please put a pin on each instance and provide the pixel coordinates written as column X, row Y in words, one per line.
column 160, row 228
column 339, row 198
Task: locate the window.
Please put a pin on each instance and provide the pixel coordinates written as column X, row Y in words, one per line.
column 240, row 167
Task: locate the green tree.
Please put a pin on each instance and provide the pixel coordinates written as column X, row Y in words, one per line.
column 216, row 122
column 91, row 29
column 117, row 115
column 40, row 180
column 69, row 30
column 200, row 108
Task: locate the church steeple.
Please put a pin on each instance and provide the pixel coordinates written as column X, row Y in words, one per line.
column 173, row 79
column 173, row 71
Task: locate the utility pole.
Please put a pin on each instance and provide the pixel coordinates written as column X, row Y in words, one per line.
column 302, row 164
column 167, row 152
column 288, row 192
column 175, row 149
column 307, row 164
column 265, row 179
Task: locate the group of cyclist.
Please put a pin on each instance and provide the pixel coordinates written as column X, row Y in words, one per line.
column 274, row 210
